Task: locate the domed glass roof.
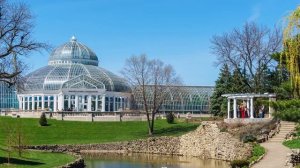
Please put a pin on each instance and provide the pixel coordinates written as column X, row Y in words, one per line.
column 73, row 52
column 73, row 65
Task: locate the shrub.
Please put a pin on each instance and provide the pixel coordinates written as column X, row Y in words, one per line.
column 170, row 118
column 43, row 120
column 248, row 138
column 257, row 151
column 239, row 163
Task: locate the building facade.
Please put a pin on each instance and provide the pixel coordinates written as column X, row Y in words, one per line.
column 73, row 81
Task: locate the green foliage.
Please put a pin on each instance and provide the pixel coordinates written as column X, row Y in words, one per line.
column 170, row 117
column 288, row 110
column 248, row 138
column 218, row 103
column 257, row 152
column 43, row 120
column 239, row 163
column 76, row 132
column 292, row 144
column 36, row 159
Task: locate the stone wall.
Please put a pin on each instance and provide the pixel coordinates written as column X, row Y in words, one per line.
column 206, row 141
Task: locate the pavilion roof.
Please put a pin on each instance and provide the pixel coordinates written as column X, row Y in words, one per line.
column 248, row 95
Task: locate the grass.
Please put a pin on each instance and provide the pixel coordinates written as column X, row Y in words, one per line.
column 75, row 132
column 36, row 159
column 292, row 144
column 257, row 152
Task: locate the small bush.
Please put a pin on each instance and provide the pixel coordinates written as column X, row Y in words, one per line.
column 248, row 138
column 257, row 152
column 170, row 118
column 239, row 163
column 43, row 120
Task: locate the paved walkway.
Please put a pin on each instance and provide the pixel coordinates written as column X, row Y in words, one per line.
column 276, row 153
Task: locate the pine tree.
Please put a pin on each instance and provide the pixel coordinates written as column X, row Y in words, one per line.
column 223, row 85
column 238, row 84
column 43, row 120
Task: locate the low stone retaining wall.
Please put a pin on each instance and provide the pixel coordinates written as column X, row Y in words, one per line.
column 206, row 141
column 78, row 163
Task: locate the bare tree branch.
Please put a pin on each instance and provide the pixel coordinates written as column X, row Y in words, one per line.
column 248, row 50
column 16, row 25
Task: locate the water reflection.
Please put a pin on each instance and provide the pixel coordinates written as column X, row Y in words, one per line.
column 149, row 161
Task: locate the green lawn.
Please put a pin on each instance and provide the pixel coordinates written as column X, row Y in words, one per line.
column 292, row 144
column 74, row 132
column 36, row 159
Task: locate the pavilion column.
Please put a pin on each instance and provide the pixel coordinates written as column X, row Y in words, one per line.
column 55, row 103
column 248, row 111
column 43, row 102
column 103, row 103
column 251, row 108
column 23, row 103
column 234, row 108
column 32, row 105
column 228, row 108
column 89, row 105
column 96, row 103
column 76, row 103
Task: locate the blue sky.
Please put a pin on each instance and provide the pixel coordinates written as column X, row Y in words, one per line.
column 178, row 32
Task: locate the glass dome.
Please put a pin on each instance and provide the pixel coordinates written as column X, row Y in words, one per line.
column 73, row 52
column 73, row 63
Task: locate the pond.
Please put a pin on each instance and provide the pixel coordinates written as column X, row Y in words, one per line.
column 149, row 161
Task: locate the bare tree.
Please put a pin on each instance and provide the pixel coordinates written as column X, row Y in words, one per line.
column 248, row 50
column 16, row 25
column 152, row 82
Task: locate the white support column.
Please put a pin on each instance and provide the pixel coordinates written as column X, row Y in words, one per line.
column 82, row 102
column 96, row 103
column 32, row 105
column 37, row 102
column 48, row 102
column 43, row 102
column 248, row 110
column 20, row 100
column 89, row 106
column 234, row 108
column 60, row 102
column 54, row 103
column 103, row 103
column 23, row 103
column 76, row 103
column 251, row 108
column 28, row 103
column 114, row 104
column 69, row 101
column 228, row 108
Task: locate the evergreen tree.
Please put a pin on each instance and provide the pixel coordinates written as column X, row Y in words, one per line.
column 218, row 105
column 43, row 120
column 238, row 84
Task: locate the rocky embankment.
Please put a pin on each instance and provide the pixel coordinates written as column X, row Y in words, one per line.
column 206, row 141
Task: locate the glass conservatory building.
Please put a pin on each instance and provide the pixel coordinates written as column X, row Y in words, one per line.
column 195, row 99
column 8, row 97
column 73, row 81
